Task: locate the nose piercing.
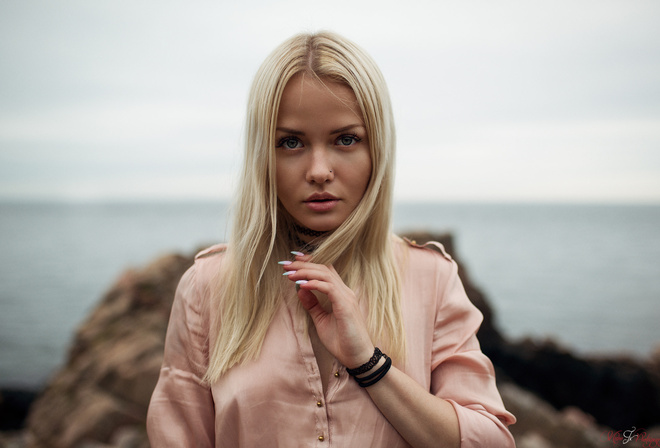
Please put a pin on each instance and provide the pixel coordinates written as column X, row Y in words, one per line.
column 331, row 171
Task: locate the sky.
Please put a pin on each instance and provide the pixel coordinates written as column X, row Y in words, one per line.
column 517, row 101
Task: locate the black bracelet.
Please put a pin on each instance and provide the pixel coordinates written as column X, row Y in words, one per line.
column 375, row 377
column 367, row 365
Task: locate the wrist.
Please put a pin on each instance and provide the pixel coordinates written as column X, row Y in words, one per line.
column 373, row 370
column 360, row 369
column 378, row 365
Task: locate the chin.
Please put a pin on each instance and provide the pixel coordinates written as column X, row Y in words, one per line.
column 320, row 225
column 322, row 228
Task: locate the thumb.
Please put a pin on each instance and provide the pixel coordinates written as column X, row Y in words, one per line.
column 307, row 299
column 311, row 303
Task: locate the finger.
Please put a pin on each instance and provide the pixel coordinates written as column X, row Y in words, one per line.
column 315, row 284
column 342, row 301
column 301, row 260
column 318, row 286
column 308, row 273
column 300, row 256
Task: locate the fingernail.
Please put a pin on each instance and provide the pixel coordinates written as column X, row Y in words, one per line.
column 285, row 263
column 301, row 282
column 295, row 252
column 289, row 272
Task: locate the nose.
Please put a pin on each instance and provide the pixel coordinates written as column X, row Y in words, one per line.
column 320, row 168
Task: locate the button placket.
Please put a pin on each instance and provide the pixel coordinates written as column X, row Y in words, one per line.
column 321, row 427
column 320, row 409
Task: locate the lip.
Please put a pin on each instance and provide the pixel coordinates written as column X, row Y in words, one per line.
column 321, row 202
column 321, row 197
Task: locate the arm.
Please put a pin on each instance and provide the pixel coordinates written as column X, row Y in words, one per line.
column 460, row 372
column 181, row 408
column 422, row 418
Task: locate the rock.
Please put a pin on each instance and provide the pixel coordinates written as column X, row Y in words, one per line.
column 101, row 395
column 14, row 407
column 12, row 439
column 541, row 425
column 618, row 392
column 532, row 440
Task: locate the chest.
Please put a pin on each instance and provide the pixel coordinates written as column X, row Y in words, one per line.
column 296, row 390
column 324, row 359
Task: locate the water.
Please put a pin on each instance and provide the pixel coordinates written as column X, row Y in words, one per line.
column 585, row 275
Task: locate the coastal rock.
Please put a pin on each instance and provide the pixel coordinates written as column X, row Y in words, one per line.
column 100, row 396
column 619, row 392
column 14, row 407
column 541, row 425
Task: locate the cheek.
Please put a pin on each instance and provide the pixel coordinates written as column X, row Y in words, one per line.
column 364, row 173
column 282, row 172
column 286, row 182
column 280, row 181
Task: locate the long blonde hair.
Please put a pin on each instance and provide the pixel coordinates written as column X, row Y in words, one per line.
column 251, row 288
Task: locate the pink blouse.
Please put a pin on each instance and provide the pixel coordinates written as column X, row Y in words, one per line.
column 278, row 399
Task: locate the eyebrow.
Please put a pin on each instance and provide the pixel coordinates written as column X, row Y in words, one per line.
column 336, row 131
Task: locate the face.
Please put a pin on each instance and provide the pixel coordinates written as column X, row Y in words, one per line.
column 323, row 162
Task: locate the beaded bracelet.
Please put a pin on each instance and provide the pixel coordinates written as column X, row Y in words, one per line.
column 375, row 377
column 367, row 365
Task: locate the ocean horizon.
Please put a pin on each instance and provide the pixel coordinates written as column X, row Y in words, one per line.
column 583, row 275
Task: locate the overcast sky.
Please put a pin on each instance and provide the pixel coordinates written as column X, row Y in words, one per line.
column 494, row 100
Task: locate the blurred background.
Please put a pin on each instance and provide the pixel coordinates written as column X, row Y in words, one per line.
column 530, row 130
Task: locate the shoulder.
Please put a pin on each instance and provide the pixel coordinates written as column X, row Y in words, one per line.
column 210, row 259
column 213, row 251
column 424, row 266
column 204, row 271
column 422, row 255
column 428, row 246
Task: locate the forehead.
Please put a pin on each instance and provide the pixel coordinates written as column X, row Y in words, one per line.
column 307, row 96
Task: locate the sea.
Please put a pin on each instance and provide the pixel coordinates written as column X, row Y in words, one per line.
column 584, row 275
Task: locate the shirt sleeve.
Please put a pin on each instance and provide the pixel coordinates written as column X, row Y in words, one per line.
column 181, row 411
column 461, row 373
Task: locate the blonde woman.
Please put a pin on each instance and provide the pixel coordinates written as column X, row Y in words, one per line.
column 315, row 326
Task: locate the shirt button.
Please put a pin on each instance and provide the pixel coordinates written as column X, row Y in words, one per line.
column 321, row 438
column 319, row 404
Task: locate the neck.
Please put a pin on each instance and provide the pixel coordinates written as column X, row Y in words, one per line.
column 306, row 239
column 305, row 231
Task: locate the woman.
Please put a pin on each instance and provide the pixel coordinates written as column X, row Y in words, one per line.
column 272, row 338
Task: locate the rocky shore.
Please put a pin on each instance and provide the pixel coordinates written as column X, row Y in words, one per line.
column 99, row 398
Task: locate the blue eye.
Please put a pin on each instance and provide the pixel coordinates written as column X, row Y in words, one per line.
column 289, row 143
column 348, row 140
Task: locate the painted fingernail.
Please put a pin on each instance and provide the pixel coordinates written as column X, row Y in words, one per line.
column 301, row 282
column 295, row 252
column 289, row 272
column 285, row 262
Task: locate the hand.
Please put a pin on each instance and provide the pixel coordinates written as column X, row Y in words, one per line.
column 342, row 329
